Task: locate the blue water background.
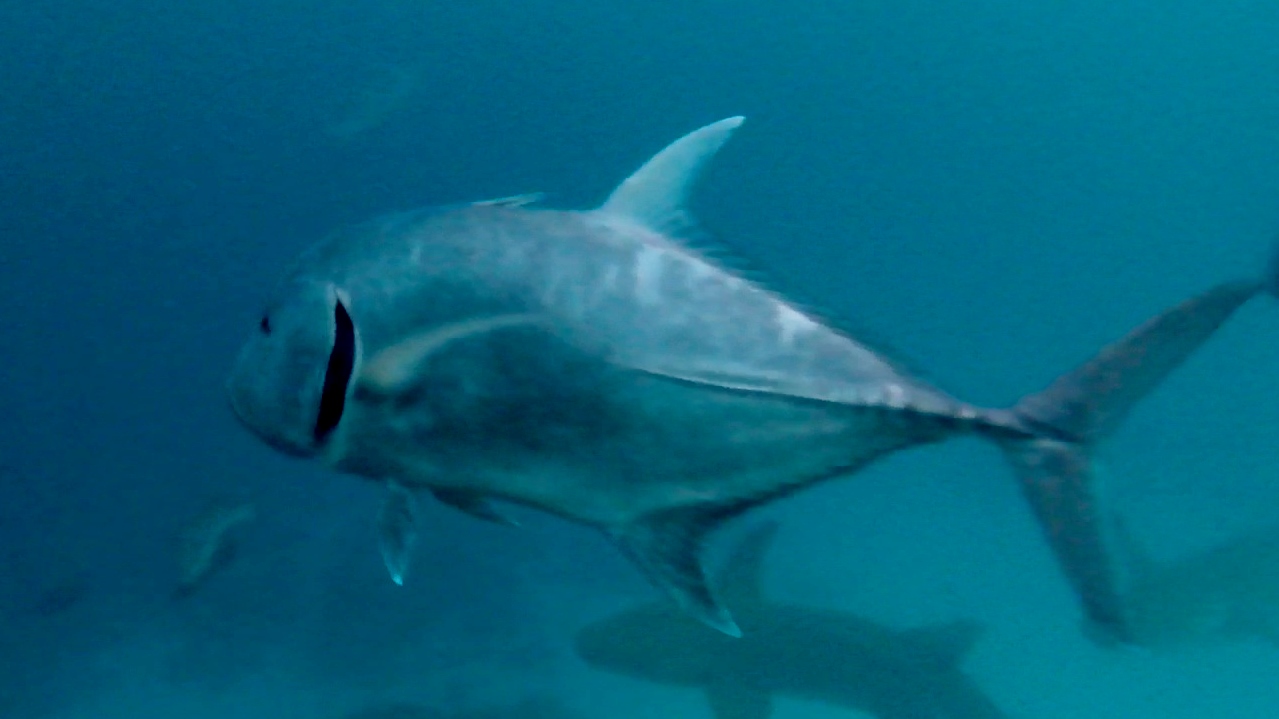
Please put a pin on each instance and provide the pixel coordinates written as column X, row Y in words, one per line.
column 994, row 188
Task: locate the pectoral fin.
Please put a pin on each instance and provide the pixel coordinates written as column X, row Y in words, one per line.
column 474, row 504
column 397, row 530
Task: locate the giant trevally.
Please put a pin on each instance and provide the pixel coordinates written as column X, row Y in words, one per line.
column 595, row 365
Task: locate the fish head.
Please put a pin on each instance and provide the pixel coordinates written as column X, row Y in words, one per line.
column 289, row 383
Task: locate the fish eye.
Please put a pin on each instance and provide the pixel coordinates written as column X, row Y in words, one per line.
column 265, row 325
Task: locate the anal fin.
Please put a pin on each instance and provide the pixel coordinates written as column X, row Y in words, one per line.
column 474, row 504
column 667, row 548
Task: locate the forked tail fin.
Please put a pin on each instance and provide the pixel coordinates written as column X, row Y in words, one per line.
column 1083, row 407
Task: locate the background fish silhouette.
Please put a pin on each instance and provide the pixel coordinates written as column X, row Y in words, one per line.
column 208, row 543
column 792, row 651
column 1228, row 592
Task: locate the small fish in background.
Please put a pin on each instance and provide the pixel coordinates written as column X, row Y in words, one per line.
column 789, row 650
column 538, row 707
column 1227, row 593
column 61, row 596
column 208, row 544
column 386, row 92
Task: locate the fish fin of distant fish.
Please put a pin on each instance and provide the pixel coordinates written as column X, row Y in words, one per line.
column 735, row 700
column 61, row 596
column 741, row 581
column 208, row 542
column 654, row 195
column 667, row 547
column 397, row 530
column 220, row 558
column 1085, row 406
column 528, row 198
column 400, row 367
column 474, row 504
column 947, row 643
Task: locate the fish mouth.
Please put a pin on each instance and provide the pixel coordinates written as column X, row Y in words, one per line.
column 276, row 442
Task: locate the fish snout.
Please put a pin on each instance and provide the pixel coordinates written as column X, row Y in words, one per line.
column 260, row 411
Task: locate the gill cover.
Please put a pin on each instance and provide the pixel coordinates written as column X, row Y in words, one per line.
column 289, row 384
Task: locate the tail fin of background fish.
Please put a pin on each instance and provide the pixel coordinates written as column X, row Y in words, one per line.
column 1085, row 406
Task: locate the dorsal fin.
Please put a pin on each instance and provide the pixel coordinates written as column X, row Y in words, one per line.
column 741, row 581
column 654, row 195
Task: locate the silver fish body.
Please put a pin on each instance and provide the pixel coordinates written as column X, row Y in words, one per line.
column 590, row 372
column 589, row 364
